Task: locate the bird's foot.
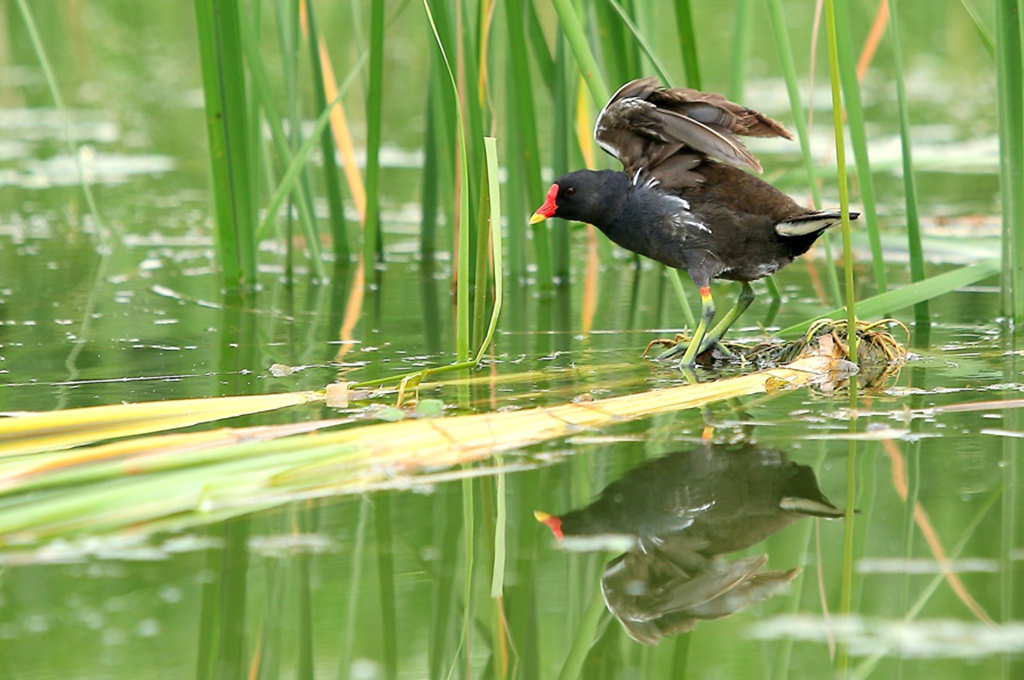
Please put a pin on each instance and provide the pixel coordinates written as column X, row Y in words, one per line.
column 676, row 346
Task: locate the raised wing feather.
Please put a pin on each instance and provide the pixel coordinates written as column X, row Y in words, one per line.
column 646, row 127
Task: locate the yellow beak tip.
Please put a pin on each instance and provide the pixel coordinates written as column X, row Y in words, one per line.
column 537, row 217
column 541, row 516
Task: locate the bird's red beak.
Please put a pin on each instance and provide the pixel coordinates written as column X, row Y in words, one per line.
column 555, row 523
column 549, row 207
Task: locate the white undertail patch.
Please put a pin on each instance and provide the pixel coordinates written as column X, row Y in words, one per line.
column 805, row 226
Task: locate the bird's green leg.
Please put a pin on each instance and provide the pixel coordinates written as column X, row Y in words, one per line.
column 720, row 329
column 707, row 314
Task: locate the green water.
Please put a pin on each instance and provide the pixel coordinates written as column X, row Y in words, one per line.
column 398, row 583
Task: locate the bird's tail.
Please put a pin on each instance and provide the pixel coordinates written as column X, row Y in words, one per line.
column 812, row 223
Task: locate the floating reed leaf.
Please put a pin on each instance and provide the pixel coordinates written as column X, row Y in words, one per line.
column 49, row 431
column 136, row 455
column 151, row 489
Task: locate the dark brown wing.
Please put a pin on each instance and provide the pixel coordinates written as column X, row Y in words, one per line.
column 666, row 132
column 718, row 112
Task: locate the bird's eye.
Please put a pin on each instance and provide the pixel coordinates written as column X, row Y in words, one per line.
column 570, row 191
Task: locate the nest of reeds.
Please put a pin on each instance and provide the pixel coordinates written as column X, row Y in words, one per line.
column 879, row 354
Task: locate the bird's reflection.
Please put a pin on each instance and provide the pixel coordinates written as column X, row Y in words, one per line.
column 675, row 517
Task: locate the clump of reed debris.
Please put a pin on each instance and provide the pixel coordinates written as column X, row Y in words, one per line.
column 879, row 354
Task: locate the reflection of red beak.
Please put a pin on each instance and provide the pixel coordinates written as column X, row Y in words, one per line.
column 555, row 523
column 548, row 209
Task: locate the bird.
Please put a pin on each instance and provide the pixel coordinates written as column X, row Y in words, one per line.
column 684, row 197
column 720, row 497
column 676, row 517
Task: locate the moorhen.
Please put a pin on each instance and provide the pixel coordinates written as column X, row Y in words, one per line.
column 723, row 498
column 674, row 203
column 677, row 516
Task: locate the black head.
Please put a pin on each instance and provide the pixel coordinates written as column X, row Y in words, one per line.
column 585, row 196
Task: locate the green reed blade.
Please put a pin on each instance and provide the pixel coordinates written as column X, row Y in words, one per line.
column 834, row 60
column 494, row 238
column 443, row 110
column 981, row 29
column 386, row 582
column 837, row 124
column 346, row 651
column 740, row 58
column 448, row 529
column 517, row 196
column 785, row 52
column 909, row 185
column 481, row 264
column 429, row 203
column 688, row 43
column 621, row 56
column 304, row 614
column 462, row 290
column 782, row 45
column 288, row 180
column 642, row 42
column 571, row 26
column 372, row 247
column 500, row 530
column 476, row 114
column 847, row 59
column 478, row 111
column 1010, row 94
column 221, row 57
column 102, row 234
column 332, row 174
column 561, row 138
column 541, row 54
column 909, row 295
column 675, row 277
column 526, row 162
column 468, row 536
column 261, row 83
column 586, row 636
